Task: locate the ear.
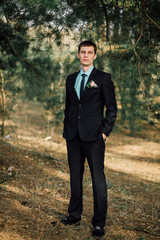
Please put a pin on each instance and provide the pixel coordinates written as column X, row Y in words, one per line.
column 78, row 54
column 95, row 56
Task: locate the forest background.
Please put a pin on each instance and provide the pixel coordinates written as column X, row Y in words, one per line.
column 38, row 49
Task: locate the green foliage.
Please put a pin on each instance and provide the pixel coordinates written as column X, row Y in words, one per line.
column 127, row 35
column 28, row 30
column 39, row 76
column 142, row 238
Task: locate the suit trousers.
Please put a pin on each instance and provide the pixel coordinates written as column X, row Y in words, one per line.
column 78, row 150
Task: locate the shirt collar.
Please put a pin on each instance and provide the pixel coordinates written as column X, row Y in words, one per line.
column 88, row 72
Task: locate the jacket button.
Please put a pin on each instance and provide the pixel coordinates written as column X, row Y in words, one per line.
column 79, row 117
column 80, row 105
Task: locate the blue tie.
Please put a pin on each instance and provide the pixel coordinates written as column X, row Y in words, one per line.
column 82, row 85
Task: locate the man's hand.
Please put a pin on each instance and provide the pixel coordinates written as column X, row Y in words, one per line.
column 104, row 136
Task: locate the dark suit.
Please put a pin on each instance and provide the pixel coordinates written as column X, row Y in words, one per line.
column 84, row 124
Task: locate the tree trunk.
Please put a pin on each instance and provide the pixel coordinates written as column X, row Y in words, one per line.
column 2, row 104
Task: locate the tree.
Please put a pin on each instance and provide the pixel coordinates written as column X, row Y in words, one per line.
column 128, row 32
column 2, row 103
column 29, row 28
column 127, row 36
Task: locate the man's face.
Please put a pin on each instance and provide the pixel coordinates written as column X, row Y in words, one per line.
column 86, row 56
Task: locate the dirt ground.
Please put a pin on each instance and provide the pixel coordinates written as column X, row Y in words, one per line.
column 35, row 190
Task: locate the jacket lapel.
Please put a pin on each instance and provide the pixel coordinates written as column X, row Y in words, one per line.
column 73, row 84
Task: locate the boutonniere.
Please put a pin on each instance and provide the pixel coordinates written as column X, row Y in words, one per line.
column 92, row 84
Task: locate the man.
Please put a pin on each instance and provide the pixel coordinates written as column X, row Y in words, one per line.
column 85, row 130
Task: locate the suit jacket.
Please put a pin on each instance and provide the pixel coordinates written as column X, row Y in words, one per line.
column 86, row 115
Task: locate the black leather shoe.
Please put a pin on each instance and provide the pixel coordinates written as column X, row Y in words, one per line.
column 98, row 231
column 69, row 221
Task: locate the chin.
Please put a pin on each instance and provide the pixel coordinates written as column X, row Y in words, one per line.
column 86, row 64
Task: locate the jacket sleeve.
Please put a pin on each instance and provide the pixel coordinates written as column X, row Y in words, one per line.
column 67, row 102
column 110, row 104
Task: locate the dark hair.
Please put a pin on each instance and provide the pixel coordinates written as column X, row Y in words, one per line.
column 87, row 43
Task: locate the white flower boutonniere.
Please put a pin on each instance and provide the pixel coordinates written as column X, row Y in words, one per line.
column 92, row 84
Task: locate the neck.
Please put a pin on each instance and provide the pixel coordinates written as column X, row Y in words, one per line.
column 85, row 68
